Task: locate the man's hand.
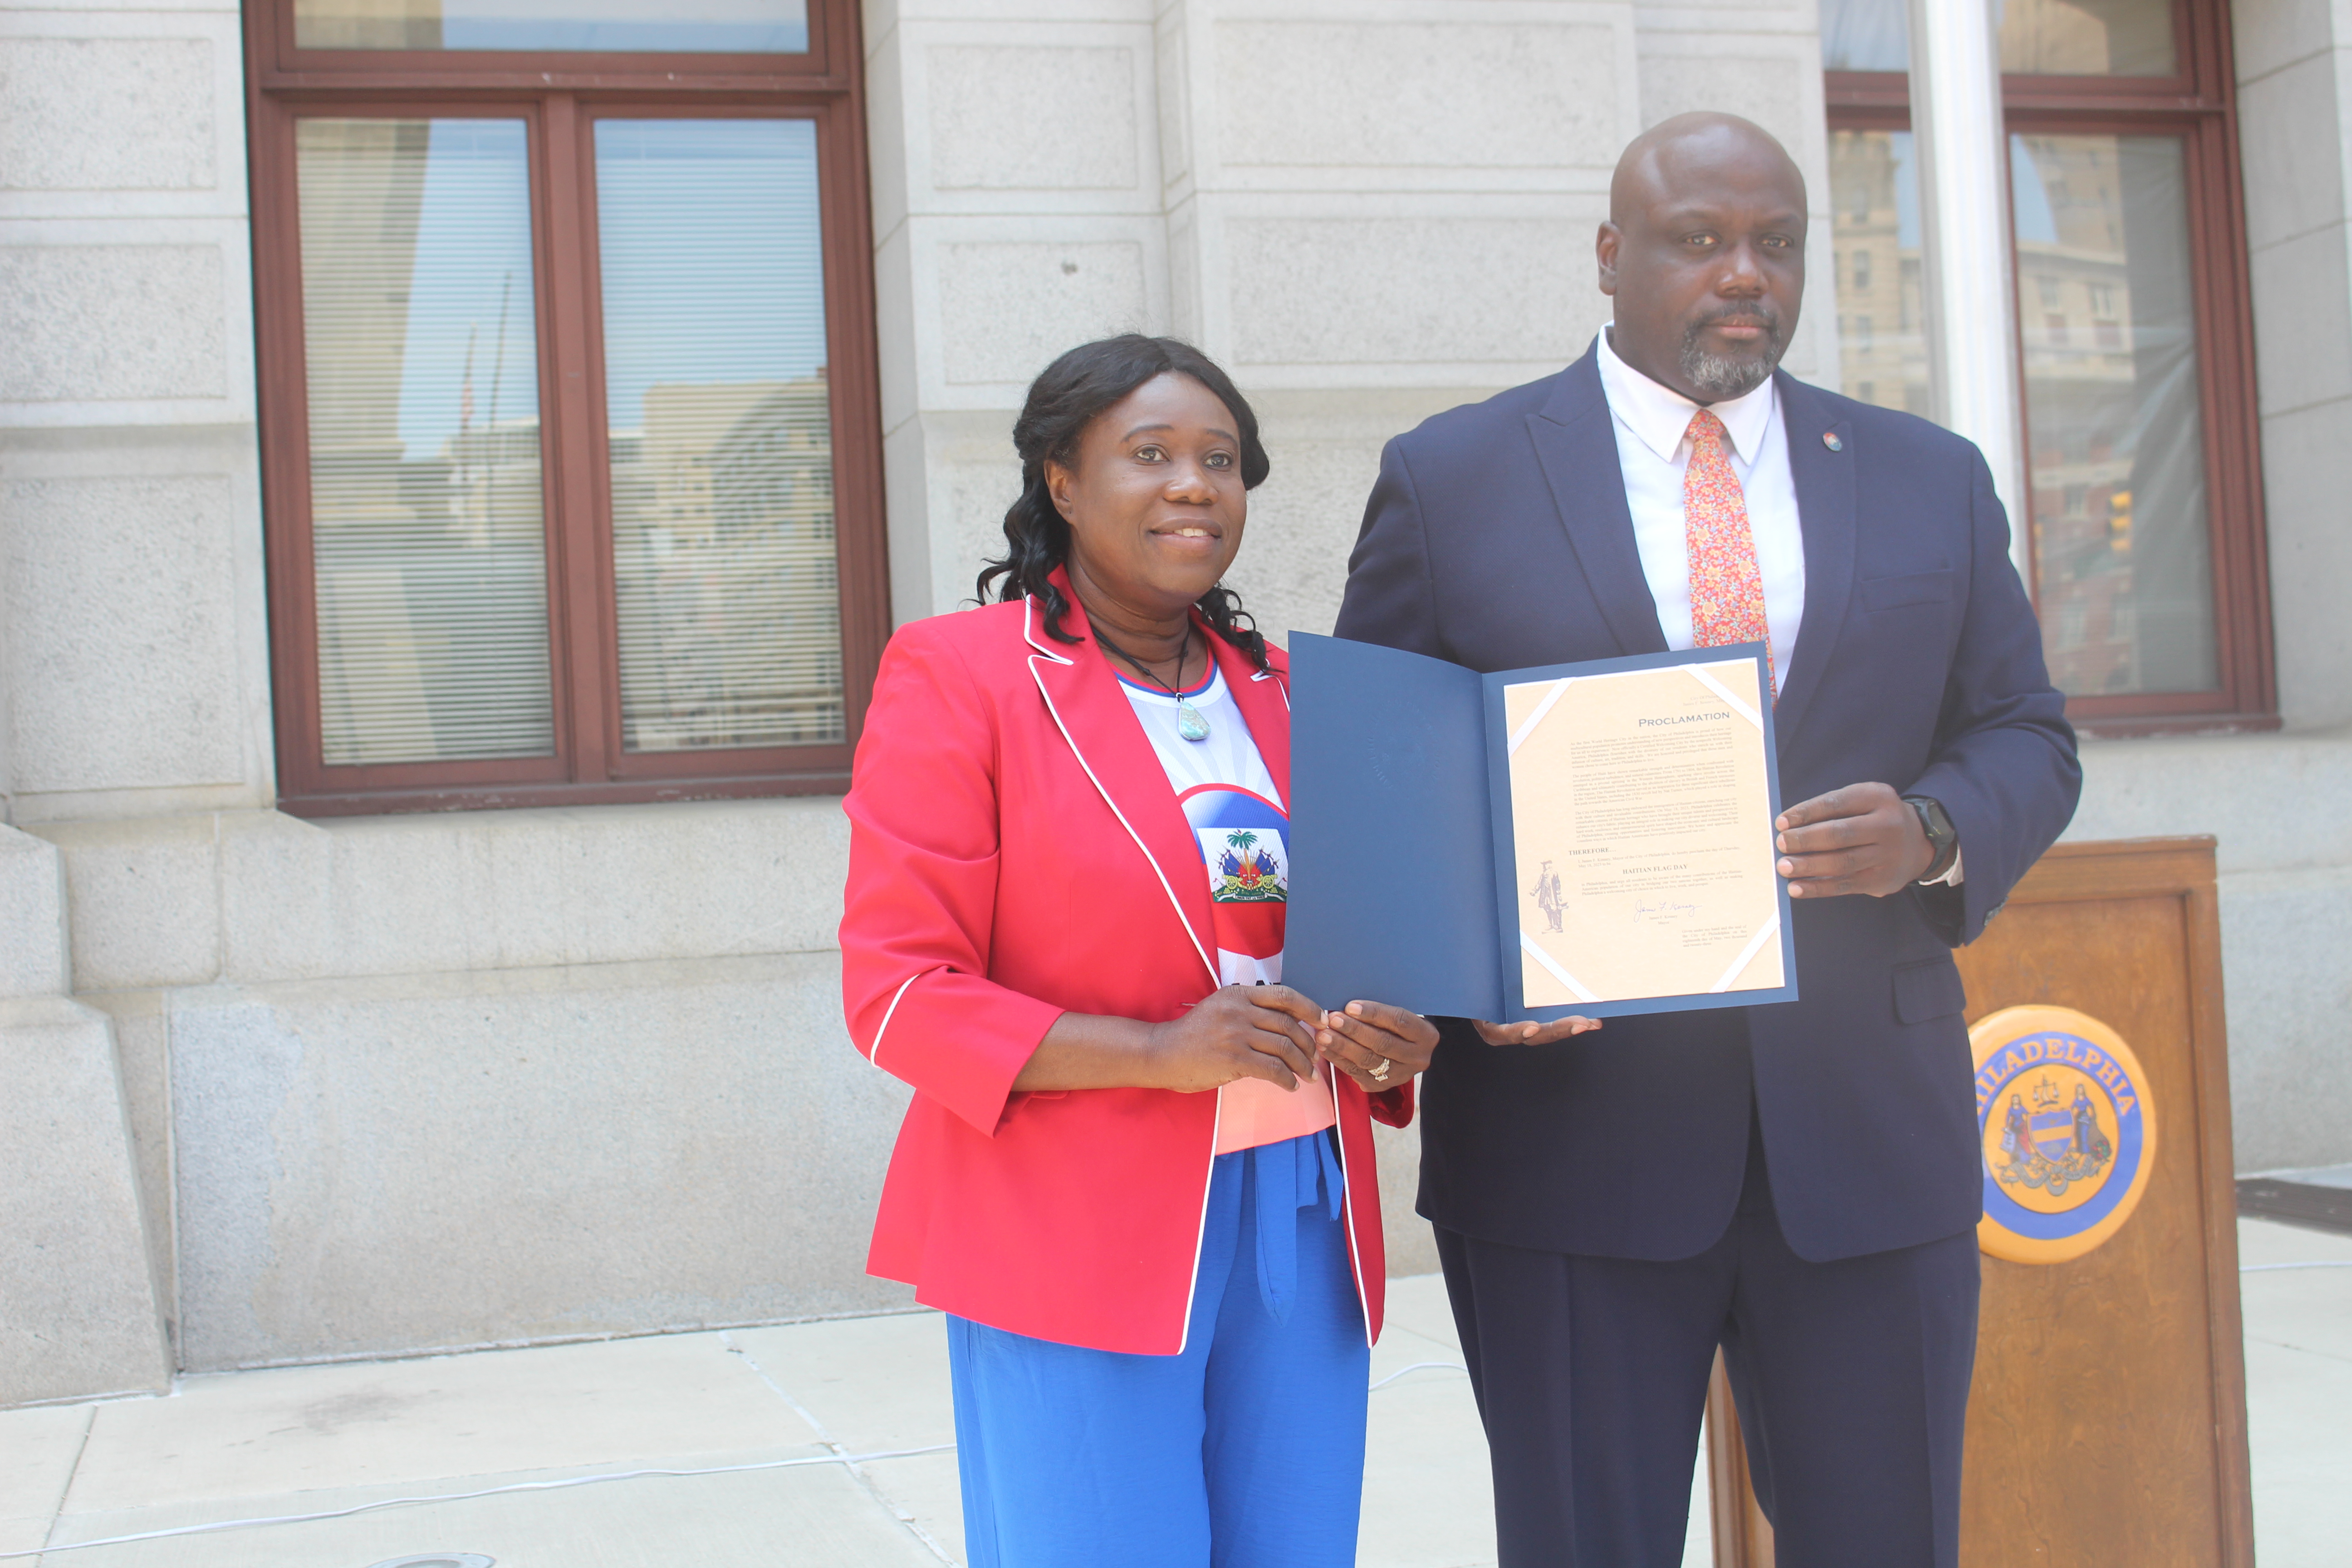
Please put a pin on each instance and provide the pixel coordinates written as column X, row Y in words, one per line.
column 1532, row 1033
column 1370, row 1037
column 1862, row 838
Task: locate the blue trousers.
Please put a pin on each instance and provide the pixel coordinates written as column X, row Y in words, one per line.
column 1247, row 1450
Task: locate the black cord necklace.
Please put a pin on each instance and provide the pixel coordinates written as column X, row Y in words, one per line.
column 1189, row 723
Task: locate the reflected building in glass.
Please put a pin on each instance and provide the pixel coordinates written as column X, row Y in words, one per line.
column 1882, row 347
column 724, row 561
column 718, row 429
column 428, row 539
column 2108, row 332
column 2116, row 461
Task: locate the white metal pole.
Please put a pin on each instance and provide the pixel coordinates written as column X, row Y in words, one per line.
column 1964, row 242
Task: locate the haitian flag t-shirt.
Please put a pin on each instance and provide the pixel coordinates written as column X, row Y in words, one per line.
column 1243, row 833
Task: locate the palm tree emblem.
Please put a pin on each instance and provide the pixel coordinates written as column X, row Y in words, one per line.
column 1249, row 872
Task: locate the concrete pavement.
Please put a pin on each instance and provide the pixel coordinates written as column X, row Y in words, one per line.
column 514, row 1451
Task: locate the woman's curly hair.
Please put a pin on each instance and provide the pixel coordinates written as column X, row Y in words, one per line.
column 1067, row 397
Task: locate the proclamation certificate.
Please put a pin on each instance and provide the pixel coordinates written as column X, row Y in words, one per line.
column 1640, row 809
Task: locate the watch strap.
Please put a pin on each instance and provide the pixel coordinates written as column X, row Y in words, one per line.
column 1936, row 823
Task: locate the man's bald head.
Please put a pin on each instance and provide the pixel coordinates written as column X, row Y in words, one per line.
column 1704, row 254
column 1672, row 150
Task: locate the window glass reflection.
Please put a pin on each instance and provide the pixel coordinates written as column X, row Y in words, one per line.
column 2115, row 429
column 646, row 26
column 2037, row 37
column 2086, row 38
column 421, row 363
column 1866, row 36
column 720, row 432
column 1874, row 245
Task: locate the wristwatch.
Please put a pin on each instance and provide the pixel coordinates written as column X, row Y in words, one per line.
column 1942, row 836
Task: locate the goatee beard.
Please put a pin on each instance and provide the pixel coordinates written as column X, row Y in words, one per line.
column 1721, row 377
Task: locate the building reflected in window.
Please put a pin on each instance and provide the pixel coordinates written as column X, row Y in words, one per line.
column 724, row 567
column 428, row 535
column 720, row 435
column 2115, row 430
column 1874, row 193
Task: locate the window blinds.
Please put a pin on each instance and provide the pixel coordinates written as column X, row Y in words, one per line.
column 422, row 366
column 719, row 434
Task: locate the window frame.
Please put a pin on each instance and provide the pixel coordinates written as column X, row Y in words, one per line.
column 2198, row 105
column 560, row 96
column 274, row 63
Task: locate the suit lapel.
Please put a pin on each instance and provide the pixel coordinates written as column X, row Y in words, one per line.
column 1576, row 443
column 1825, row 515
column 1095, row 718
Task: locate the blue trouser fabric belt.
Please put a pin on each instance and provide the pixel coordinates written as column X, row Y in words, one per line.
column 1292, row 1174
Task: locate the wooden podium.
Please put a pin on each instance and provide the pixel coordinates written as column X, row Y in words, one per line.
column 2107, row 1420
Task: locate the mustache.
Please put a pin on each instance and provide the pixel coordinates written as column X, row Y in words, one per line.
column 1758, row 314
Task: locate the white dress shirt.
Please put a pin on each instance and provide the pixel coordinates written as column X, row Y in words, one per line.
column 1653, row 450
column 1653, row 424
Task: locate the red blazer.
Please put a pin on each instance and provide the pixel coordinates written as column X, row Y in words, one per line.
column 1016, row 853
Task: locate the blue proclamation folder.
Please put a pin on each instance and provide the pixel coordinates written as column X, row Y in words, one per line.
column 1403, row 879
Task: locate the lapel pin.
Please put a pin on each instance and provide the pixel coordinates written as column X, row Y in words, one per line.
column 1830, row 439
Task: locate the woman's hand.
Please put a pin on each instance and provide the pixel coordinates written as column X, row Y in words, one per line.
column 1239, row 1031
column 1531, row 1033
column 1371, row 1041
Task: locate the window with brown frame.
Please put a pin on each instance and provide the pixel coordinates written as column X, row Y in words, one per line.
column 570, row 436
column 2133, row 335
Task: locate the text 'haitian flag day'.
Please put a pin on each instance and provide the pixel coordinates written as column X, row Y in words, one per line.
column 1588, row 839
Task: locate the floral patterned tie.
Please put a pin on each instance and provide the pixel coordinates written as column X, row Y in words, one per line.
column 1727, row 589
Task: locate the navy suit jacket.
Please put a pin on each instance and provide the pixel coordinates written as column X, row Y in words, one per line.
column 1498, row 538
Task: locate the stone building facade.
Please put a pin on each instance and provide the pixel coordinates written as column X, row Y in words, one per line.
column 283, row 1088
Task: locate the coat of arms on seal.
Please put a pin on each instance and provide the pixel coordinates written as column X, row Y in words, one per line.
column 1246, row 872
column 2048, row 1147
column 2069, row 1137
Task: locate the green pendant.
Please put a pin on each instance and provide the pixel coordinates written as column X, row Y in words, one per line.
column 1189, row 723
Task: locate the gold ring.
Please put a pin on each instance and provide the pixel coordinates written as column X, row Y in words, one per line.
column 1381, row 1073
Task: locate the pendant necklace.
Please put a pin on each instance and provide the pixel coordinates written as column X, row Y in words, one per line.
column 1189, row 723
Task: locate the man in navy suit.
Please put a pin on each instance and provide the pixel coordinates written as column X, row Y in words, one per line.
column 1799, row 1183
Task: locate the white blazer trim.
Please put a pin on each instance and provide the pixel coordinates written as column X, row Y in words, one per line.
column 1028, row 617
column 1201, row 1231
column 1215, row 979
column 1347, row 1204
column 873, row 1052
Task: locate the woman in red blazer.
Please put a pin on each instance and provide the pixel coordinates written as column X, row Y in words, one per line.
column 1137, row 1171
